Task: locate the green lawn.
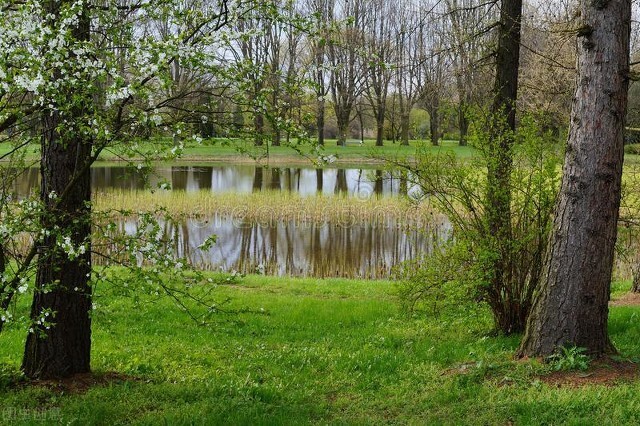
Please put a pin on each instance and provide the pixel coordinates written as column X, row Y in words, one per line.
column 314, row 351
column 226, row 151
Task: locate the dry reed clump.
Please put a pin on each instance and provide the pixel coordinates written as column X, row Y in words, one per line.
column 264, row 207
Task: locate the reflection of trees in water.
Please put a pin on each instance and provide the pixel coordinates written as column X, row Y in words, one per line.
column 239, row 178
column 341, row 182
column 257, row 179
column 275, row 180
column 377, row 187
column 322, row 250
column 319, row 180
column 300, row 249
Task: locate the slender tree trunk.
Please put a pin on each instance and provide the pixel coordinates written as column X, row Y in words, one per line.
column 320, row 123
column 276, row 137
column 380, row 116
column 502, row 294
column 405, row 123
column 571, row 308
column 380, row 125
column 463, row 123
column 434, row 123
column 258, row 128
column 6, row 294
column 635, row 286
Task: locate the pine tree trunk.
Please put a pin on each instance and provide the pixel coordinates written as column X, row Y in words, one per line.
column 572, row 305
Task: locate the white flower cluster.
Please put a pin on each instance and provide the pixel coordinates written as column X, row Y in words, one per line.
column 72, row 252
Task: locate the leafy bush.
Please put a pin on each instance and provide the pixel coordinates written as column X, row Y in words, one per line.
column 458, row 188
column 633, row 149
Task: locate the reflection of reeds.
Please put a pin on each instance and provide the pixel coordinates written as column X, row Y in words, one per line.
column 272, row 207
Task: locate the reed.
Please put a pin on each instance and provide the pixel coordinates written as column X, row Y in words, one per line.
column 270, row 206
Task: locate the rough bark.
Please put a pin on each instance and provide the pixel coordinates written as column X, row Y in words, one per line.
column 62, row 281
column 571, row 308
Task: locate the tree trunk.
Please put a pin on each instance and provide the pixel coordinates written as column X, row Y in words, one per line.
column 60, row 343
column 62, row 281
column 258, row 128
column 405, row 123
column 434, row 123
column 380, row 125
column 502, row 294
column 276, row 137
column 571, row 308
column 342, row 118
column 463, row 123
column 320, row 123
column 635, row 286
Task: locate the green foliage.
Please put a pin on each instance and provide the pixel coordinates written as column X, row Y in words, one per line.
column 322, row 352
column 632, row 148
column 437, row 281
column 457, row 188
column 569, row 359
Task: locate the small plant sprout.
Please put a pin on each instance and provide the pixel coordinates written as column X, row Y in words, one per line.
column 569, row 359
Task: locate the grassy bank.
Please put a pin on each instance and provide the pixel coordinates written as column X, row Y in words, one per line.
column 225, row 151
column 314, row 351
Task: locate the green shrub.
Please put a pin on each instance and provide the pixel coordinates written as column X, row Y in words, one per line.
column 633, row 149
column 465, row 265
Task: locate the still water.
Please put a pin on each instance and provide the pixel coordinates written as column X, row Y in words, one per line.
column 240, row 179
column 362, row 249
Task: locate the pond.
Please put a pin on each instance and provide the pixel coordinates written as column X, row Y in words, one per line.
column 240, row 179
column 281, row 247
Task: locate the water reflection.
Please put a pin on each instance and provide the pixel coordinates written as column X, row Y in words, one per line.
column 240, row 179
column 367, row 250
column 361, row 249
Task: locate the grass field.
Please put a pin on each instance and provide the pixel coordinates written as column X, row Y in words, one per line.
column 224, row 151
column 312, row 352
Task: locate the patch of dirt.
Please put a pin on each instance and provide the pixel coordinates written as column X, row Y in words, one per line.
column 606, row 372
column 81, row 383
column 628, row 299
